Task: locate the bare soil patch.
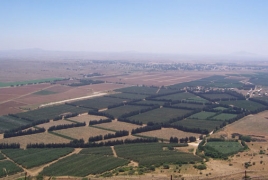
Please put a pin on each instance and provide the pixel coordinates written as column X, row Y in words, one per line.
column 10, row 107
column 86, row 118
column 117, row 125
column 53, row 123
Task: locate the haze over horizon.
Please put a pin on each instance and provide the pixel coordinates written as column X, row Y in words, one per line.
column 152, row 26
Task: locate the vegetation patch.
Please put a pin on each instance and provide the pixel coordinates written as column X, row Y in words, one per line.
column 45, row 92
column 9, row 122
column 105, row 150
column 8, row 168
column 118, row 111
column 176, row 97
column 83, row 164
column 159, row 115
column 35, row 157
column 245, row 104
column 21, row 83
column 2, row 156
column 151, row 102
column 139, row 90
column 153, row 154
column 224, row 117
column 128, row 96
column 202, row 115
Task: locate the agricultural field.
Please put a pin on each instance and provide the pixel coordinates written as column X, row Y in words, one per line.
column 21, row 83
column 9, row 122
column 159, row 115
column 224, row 117
column 146, row 102
column 1, row 156
column 128, row 96
column 11, row 107
column 8, row 168
column 202, row 115
column 53, row 123
column 175, row 97
column 118, row 111
column 105, row 150
column 82, row 132
column 245, row 104
column 196, row 99
column 44, row 92
column 86, row 118
column 153, row 154
column 118, row 126
column 225, row 147
column 35, row 138
column 220, row 108
column 166, row 133
column 166, row 90
column 99, row 103
column 139, row 90
column 91, row 164
column 51, row 112
column 255, row 125
column 189, row 105
column 30, row 158
column 214, row 97
column 201, row 124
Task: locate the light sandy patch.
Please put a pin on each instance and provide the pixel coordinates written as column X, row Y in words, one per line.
column 35, row 138
column 53, row 123
column 117, row 125
column 83, row 132
column 166, row 133
column 86, row 118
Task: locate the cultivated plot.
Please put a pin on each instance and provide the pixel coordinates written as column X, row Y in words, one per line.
column 118, row 111
column 118, row 126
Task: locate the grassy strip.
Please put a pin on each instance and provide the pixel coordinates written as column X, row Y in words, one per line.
column 28, row 82
column 71, row 121
column 60, row 135
column 149, row 137
column 103, row 128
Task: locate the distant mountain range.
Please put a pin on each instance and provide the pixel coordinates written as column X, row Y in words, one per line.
column 40, row 54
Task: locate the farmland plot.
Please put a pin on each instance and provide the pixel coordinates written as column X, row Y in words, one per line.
column 35, row 138
column 51, row 112
column 53, row 123
column 35, row 157
column 139, row 90
column 213, row 97
column 83, row 164
column 225, row 147
column 224, row 116
column 10, row 167
column 146, row 102
column 153, row 154
column 202, row 115
column 128, row 96
column 159, row 115
column 189, row 105
column 1, row 156
column 201, row 124
column 175, row 97
column 249, row 105
column 86, row 118
column 99, row 103
column 118, row 111
column 82, row 132
column 118, row 126
column 9, row 122
column 104, row 150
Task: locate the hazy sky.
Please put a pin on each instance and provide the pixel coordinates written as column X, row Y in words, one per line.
column 154, row 26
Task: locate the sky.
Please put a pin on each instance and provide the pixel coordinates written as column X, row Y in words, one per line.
column 146, row 26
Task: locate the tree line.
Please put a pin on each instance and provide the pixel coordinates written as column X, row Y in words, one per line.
column 22, row 133
column 93, row 122
column 66, row 126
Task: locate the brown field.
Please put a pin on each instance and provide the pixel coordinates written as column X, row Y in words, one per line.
column 117, row 125
column 53, row 123
column 255, row 125
column 166, row 133
column 5, row 97
column 86, row 118
column 10, row 107
column 156, row 79
column 82, row 132
column 103, row 87
column 35, row 138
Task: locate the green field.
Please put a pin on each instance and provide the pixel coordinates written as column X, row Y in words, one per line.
column 51, row 112
column 201, row 124
column 202, row 115
column 105, row 150
column 224, row 116
column 8, row 168
column 28, row 82
column 2, row 156
column 118, row 111
column 175, row 97
column 189, row 105
column 245, row 104
column 225, row 147
column 159, row 115
column 146, row 102
column 35, row 157
column 100, row 102
column 166, row 91
column 9, row 122
column 213, row 97
column 139, row 90
column 83, row 164
column 128, row 96
column 220, row 108
column 196, row 99
column 45, row 92
column 153, row 154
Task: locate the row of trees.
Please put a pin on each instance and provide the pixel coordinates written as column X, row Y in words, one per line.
column 22, row 133
column 93, row 122
column 117, row 134
column 81, row 144
column 9, row 146
column 146, row 128
column 66, row 126
column 69, row 115
column 182, row 140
